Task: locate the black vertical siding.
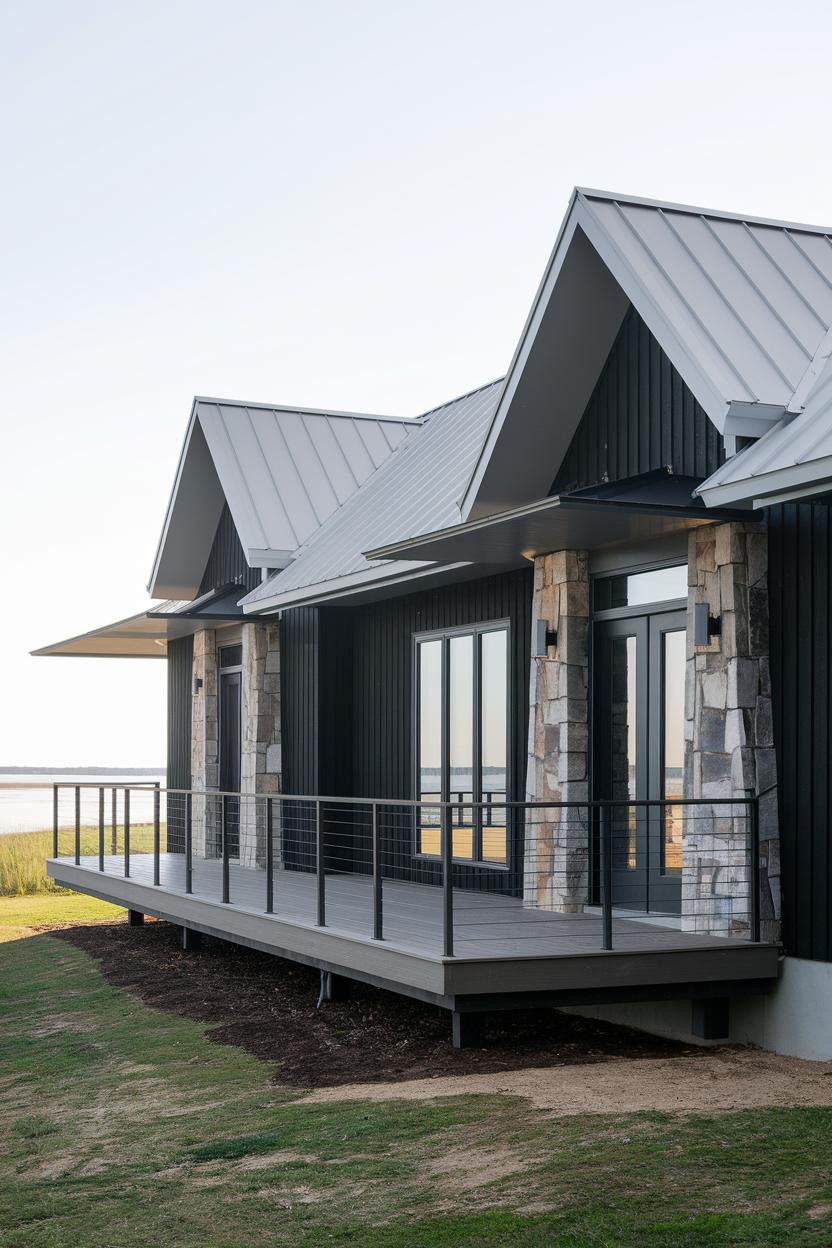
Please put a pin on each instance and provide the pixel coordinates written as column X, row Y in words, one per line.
column 180, row 667
column 800, row 604
column 641, row 416
column 299, row 699
column 227, row 562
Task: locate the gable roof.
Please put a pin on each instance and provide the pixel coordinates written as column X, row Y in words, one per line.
column 282, row 470
column 416, row 491
column 742, row 306
column 792, row 460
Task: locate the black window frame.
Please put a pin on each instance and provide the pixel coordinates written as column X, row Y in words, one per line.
column 445, row 635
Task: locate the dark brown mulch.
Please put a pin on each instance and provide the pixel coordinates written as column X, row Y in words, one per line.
column 267, row 1006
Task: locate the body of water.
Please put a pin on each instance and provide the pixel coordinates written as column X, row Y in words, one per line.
column 26, row 800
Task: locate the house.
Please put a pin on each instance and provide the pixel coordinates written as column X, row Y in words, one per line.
column 525, row 700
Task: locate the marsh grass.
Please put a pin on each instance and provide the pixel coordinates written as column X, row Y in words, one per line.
column 23, row 854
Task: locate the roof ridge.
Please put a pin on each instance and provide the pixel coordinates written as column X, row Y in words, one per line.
column 307, row 411
column 459, row 397
column 671, row 206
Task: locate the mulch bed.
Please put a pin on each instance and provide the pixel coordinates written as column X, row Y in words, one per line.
column 267, row 1006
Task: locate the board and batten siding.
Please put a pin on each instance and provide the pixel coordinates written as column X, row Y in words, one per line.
column 226, row 561
column 347, row 707
column 641, row 417
column 800, row 605
column 180, row 676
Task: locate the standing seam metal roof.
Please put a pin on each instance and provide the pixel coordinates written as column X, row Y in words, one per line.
column 417, row 491
column 751, row 299
column 284, row 471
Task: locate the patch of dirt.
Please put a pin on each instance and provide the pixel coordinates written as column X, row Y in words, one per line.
column 707, row 1081
column 266, row 1006
column 466, row 1169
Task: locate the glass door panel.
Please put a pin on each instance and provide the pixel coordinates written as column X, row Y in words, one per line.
column 494, row 743
column 461, row 743
column 429, row 686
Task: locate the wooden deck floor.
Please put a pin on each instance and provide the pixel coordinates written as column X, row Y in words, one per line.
column 492, row 933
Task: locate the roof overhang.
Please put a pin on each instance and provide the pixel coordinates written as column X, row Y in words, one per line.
column 385, row 580
column 191, row 520
column 146, row 635
column 766, row 488
column 607, row 517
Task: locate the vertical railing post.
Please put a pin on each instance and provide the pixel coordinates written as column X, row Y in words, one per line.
column 156, row 846
column 755, row 867
column 447, row 883
column 226, row 890
column 648, row 811
column 114, row 814
column 269, row 856
column 77, row 823
column 378, row 915
column 320, row 864
column 126, row 831
column 55, row 821
column 101, row 829
column 189, row 855
column 606, row 878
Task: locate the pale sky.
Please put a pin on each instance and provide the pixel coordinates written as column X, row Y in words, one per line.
column 345, row 204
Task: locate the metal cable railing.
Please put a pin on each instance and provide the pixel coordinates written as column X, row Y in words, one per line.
column 595, row 874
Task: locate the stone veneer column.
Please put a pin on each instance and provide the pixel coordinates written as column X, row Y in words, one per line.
column 556, row 849
column 261, row 764
column 729, row 746
column 205, row 763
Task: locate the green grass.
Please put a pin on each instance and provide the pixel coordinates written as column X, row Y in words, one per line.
column 123, row 1124
column 57, row 908
column 23, row 855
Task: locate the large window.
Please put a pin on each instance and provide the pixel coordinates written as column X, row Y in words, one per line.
column 462, row 702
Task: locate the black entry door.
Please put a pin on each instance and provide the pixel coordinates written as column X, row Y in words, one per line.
column 230, row 722
column 638, row 748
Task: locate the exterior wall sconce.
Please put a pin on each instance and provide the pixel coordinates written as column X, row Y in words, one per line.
column 545, row 637
column 197, row 684
column 705, row 625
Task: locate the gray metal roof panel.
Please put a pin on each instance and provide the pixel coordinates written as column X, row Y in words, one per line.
column 418, row 490
column 284, row 471
column 753, row 299
column 799, row 442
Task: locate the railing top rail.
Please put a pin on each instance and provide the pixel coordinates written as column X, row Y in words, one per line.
column 433, row 804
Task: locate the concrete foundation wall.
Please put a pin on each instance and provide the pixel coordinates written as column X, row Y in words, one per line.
column 795, row 1019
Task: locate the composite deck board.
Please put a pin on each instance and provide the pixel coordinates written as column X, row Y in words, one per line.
column 486, row 925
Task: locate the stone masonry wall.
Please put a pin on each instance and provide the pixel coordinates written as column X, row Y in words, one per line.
column 729, row 747
column 261, row 764
column 205, row 763
column 556, row 851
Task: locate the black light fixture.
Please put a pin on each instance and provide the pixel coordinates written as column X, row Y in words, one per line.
column 197, row 684
column 545, row 636
column 705, row 625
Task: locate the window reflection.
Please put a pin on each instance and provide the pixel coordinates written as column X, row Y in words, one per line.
column 470, row 767
column 673, row 664
column 637, row 589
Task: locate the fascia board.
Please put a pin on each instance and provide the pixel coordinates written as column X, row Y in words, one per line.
column 691, row 369
column 816, row 473
column 326, row 591
column 171, row 501
column 521, row 354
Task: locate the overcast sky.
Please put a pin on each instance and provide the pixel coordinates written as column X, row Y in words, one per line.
column 344, row 204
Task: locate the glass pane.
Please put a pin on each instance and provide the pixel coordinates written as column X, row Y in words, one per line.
column 461, row 741
column 639, row 588
column 231, row 656
column 430, row 742
column 674, row 654
column 623, row 737
column 493, row 716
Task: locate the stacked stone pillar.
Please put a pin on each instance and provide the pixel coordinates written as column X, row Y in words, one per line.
column 261, row 763
column 729, row 747
column 205, row 759
column 556, row 842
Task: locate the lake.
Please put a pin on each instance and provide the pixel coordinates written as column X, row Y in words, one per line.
column 26, row 800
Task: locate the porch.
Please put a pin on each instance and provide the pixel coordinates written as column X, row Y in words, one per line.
column 322, row 882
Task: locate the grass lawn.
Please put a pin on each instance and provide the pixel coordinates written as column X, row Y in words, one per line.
column 120, row 1124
